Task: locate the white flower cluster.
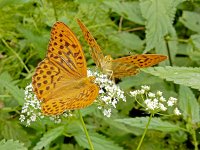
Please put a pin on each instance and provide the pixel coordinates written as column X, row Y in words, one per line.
column 154, row 102
column 31, row 111
column 109, row 94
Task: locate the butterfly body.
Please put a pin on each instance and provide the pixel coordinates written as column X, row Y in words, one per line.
column 60, row 81
column 120, row 67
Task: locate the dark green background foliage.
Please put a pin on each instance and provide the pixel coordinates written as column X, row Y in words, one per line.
column 169, row 27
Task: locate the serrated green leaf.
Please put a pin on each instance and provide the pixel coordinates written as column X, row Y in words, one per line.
column 129, row 10
column 188, row 104
column 159, row 15
column 191, row 20
column 155, row 124
column 180, row 75
column 8, row 84
column 99, row 142
column 8, row 131
column 49, row 137
column 11, row 145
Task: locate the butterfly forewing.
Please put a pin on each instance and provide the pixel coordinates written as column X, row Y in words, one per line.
column 96, row 51
column 60, row 80
column 65, row 50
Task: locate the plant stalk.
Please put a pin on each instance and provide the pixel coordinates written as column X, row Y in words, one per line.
column 85, row 130
column 144, row 133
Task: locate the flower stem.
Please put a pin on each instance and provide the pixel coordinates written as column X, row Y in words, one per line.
column 195, row 142
column 145, row 131
column 85, row 130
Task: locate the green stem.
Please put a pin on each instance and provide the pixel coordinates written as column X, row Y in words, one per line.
column 195, row 142
column 145, row 131
column 85, row 130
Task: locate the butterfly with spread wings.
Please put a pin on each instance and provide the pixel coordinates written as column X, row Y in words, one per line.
column 120, row 67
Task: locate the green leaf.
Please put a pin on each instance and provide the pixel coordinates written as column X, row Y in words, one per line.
column 188, row 104
column 8, row 84
column 126, row 42
column 38, row 40
column 191, row 20
column 159, row 15
column 196, row 40
column 155, row 124
column 99, row 142
column 180, row 75
column 49, row 137
column 138, row 80
column 8, row 131
column 129, row 10
column 11, row 145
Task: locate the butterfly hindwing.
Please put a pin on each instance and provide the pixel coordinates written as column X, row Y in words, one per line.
column 143, row 60
column 80, row 94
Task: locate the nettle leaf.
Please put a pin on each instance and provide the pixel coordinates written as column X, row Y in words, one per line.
column 8, row 131
column 10, row 144
column 159, row 15
column 155, row 124
column 99, row 142
column 10, row 86
column 129, row 10
column 191, row 20
column 188, row 104
column 180, row 75
column 49, row 137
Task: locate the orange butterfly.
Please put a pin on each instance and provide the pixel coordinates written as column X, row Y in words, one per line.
column 60, row 80
column 121, row 67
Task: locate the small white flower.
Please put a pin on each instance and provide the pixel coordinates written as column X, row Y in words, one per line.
column 171, row 101
column 152, row 95
column 162, row 99
column 141, row 91
column 151, row 105
column 145, row 87
column 33, row 118
column 22, row 118
column 162, row 107
column 147, row 101
column 28, row 122
column 159, row 93
column 177, row 112
column 107, row 112
column 99, row 107
column 134, row 93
